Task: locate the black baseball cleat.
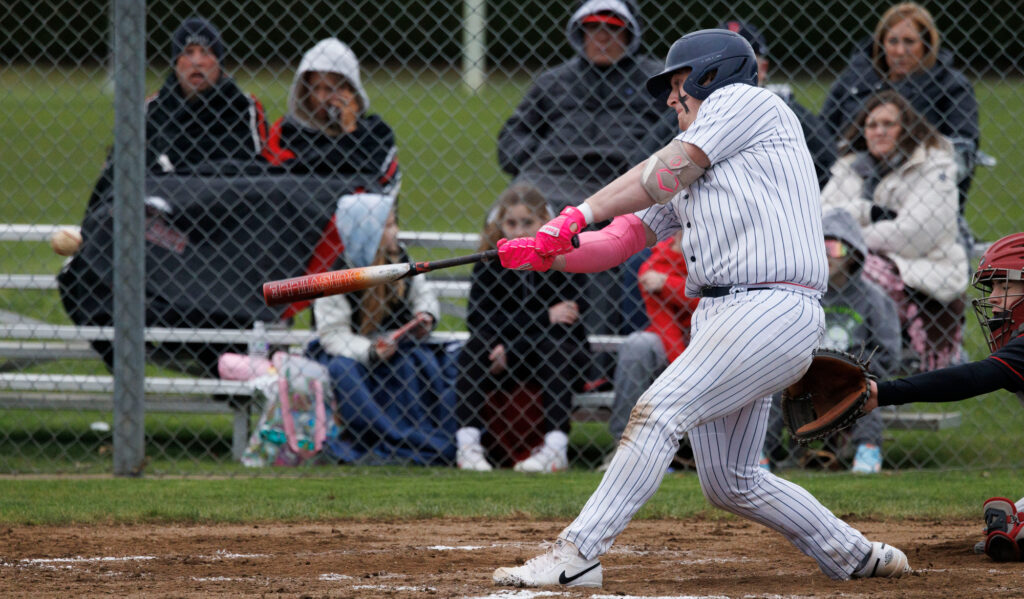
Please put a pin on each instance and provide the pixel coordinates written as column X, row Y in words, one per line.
column 562, row 565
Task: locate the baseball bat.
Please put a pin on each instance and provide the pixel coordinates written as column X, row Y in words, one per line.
column 286, row 291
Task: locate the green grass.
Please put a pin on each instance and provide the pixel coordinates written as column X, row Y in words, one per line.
column 376, row 493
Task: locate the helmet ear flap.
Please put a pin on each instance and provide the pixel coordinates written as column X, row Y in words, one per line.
column 720, row 73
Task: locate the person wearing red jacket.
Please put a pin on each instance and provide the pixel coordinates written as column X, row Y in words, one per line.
column 644, row 354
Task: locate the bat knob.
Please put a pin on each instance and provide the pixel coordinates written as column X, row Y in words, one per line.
column 575, row 241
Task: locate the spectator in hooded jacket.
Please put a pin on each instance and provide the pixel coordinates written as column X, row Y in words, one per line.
column 199, row 114
column 820, row 140
column 327, row 129
column 862, row 320
column 905, row 56
column 588, row 120
column 897, row 179
column 582, row 124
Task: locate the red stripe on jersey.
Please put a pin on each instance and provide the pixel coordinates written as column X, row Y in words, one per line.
column 273, row 152
column 1003, row 362
column 392, row 168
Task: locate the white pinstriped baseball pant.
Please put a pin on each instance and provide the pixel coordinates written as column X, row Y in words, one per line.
column 745, row 346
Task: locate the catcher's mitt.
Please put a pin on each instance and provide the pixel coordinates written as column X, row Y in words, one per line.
column 829, row 397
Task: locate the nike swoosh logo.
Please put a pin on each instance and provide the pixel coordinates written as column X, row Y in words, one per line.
column 563, row 579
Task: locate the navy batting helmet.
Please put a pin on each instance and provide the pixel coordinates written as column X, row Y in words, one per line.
column 718, row 52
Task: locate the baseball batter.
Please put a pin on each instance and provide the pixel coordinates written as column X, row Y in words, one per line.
column 739, row 182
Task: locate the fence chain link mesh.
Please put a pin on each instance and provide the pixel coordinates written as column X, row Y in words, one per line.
column 422, row 121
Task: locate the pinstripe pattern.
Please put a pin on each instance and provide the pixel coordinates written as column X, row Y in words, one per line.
column 754, row 217
column 745, row 346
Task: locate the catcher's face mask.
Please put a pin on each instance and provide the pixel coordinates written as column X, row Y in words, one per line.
column 1000, row 277
column 1001, row 311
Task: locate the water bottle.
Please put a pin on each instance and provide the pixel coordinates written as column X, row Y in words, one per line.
column 259, row 346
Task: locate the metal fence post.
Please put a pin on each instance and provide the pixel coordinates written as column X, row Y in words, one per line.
column 474, row 43
column 129, row 262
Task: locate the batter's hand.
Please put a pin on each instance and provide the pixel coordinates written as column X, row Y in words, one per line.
column 520, row 254
column 555, row 237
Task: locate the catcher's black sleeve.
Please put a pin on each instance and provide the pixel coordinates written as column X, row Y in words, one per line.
column 947, row 384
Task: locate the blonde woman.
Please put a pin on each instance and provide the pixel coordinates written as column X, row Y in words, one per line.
column 905, row 55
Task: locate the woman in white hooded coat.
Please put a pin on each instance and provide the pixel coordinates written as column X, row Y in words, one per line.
column 897, row 177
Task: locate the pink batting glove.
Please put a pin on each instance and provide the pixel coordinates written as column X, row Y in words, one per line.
column 555, row 237
column 519, row 254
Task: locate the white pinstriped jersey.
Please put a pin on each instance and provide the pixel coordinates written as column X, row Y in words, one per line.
column 755, row 214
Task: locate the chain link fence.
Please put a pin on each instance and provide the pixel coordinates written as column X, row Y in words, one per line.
column 284, row 138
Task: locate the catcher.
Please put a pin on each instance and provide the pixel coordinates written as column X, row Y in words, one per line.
column 1000, row 310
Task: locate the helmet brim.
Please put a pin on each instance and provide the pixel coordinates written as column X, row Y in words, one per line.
column 659, row 85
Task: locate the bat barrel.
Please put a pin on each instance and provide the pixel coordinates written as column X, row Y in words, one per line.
column 307, row 287
column 286, row 291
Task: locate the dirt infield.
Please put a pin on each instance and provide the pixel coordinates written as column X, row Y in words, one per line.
column 432, row 558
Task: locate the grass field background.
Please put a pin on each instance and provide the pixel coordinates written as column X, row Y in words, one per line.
column 58, row 126
column 384, row 493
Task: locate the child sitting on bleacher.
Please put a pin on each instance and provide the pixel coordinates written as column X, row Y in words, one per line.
column 524, row 329
column 394, row 400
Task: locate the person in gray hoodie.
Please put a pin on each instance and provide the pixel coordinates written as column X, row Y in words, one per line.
column 861, row 319
column 587, row 120
column 328, row 130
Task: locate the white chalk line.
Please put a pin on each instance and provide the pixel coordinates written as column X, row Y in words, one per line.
column 69, row 563
column 77, row 560
column 385, row 587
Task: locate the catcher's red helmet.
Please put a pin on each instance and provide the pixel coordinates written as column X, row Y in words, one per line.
column 1004, row 261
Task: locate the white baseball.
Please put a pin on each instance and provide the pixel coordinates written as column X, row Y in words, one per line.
column 66, row 241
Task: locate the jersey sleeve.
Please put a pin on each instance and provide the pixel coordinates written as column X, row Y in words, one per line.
column 660, row 218
column 1010, row 359
column 954, row 383
column 730, row 120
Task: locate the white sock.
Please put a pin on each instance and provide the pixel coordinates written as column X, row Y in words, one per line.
column 557, row 440
column 466, row 436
